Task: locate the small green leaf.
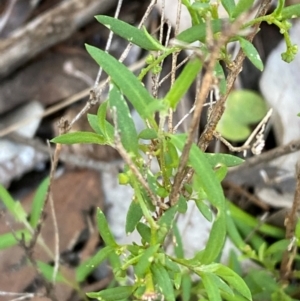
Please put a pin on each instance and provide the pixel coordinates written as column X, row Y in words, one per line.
column 165, row 222
column 251, row 53
column 186, row 287
column 14, row 207
column 178, row 248
column 214, row 192
column 134, row 215
column 126, row 127
column 113, row 294
column 225, row 159
column 221, row 172
column 234, row 280
column 80, row 137
column 104, row 229
column 183, row 82
column 290, row 12
column 103, row 128
column 182, row 204
column 144, row 231
column 163, row 281
column 243, row 108
column 278, row 247
column 220, row 75
column 47, row 271
column 86, row 267
column 126, row 81
column 8, row 240
column 204, row 209
column 145, row 261
column 211, row 287
column 131, row 33
column 241, row 6
column 148, row 134
column 38, row 203
column 229, row 6
column 198, row 32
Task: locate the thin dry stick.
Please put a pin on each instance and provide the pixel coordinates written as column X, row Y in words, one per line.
column 275, row 153
column 70, row 100
column 290, row 223
column 218, row 110
column 201, row 98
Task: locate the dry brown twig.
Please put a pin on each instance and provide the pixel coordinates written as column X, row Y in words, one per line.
column 290, row 223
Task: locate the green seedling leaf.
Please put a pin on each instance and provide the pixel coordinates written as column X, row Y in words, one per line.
column 145, row 261
column 243, row 108
column 144, row 231
column 85, row 268
column 103, row 128
column 14, row 207
column 165, row 223
column 290, row 12
column 134, row 215
column 131, row 33
column 204, row 209
column 104, row 229
column 224, row 159
column 47, row 271
column 183, row 82
column 80, row 137
column 186, row 287
column 214, row 192
column 8, row 240
column 251, row 53
column 178, row 248
column 182, row 204
column 278, row 247
column 234, row 280
column 148, row 134
column 211, row 287
column 126, row 81
column 241, row 6
column 229, row 6
column 219, row 73
column 113, row 294
column 221, row 172
column 101, row 116
column 125, row 124
column 38, row 203
column 163, row 281
column 198, row 32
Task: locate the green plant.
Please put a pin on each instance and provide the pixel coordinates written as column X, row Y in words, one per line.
column 186, row 173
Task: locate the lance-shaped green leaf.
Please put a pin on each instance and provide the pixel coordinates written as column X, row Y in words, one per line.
column 214, row 192
column 144, row 231
column 165, row 222
column 86, row 267
column 229, row 6
column 48, row 270
column 38, row 203
column 127, row 82
column 104, row 229
column 139, row 37
column 14, row 207
column 113, row 294
column 186, row 287
column 241, row 6
column 178, row 248
column 234, row 280
column 198, row 32
column 162, row 279
column 220, row 75
column 8, row 240
column 134, row 215
column 80, row 137
column 251, row 53
column 211, row 287
column 125, row 124
column 290, row 12
column 101, row 128
column 145, row 261
column 183, row 82
column 225, row 159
